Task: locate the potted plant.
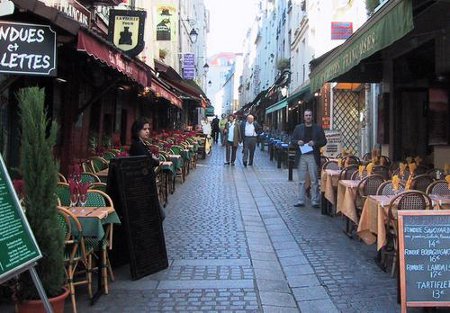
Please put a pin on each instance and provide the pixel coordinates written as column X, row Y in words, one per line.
column 39, row 170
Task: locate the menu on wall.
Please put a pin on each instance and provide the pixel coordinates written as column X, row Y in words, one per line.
column 424, row 250
column 18, row 248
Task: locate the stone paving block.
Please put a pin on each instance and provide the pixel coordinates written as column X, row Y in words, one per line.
column 269, row 274
column 280, row 299
column 310, row 293
column 271, row 265
column 301, row 269
column 261, row 248
column 273, row 285
column 318, row 306
column 268, row 256
column 293, row 260
column 180, row 284
column 303, row 280
column 277, row 309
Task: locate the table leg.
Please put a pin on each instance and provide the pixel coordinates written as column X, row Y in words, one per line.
column 101, row 267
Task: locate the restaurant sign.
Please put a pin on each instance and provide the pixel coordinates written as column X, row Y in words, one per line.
column 27, row 49
column 188, row 66
column 369, row 39
column 341, row 30
column 73, row 9
column 126, row 30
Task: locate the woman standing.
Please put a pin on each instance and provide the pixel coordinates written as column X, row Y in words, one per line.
column 140, row 134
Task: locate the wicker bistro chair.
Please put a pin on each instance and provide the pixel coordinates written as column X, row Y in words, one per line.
column 98, row 186
column 438, row 187
column 76, row 253
column 351, row 160
column 63, row 193
column 387, row 189
column 436, row 173
column 98, row 198
column 98, row 163
column 180, row 172
column 61, row 178
column 347, row 172
column 407, row 200
column 421, row 182
column 89, row 178
column 357, row 176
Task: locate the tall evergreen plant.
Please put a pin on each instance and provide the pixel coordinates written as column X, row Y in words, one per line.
column 39, row 170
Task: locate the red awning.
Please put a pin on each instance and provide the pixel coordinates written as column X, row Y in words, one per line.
column 160, row 91
column 111, row 56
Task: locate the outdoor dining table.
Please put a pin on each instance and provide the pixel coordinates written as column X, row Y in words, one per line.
column 93, row 221
column 346, row 196
column 329, row 182
column 371, row 227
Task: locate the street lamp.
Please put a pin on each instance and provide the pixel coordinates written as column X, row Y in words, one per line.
column 193, row 35
column 206, row 68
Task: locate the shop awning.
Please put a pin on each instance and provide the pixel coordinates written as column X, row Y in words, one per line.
column 101, row 50
column 304, row 91
column 393, row 21
column 160, row 91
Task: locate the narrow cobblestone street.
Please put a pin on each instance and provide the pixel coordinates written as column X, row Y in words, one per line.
column 236, row 244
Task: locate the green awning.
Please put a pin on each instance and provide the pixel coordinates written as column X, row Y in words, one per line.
column 305, row 90
column 277, row 106
column 209, row 111
column 393, row 21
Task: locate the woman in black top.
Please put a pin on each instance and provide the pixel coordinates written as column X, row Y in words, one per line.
column 140, row 133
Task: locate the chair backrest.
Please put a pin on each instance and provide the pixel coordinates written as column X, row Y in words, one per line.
column 369, row 185
column 387, row 189
column 89, row 178
column 98, row 163
column 351, row 160
column 421, row 182
column 356, row 176
column 63, row 193
column 411, row 200
column 98, row 198
column 367, row 156
column 98, row 186
column 61, row 178
column 330, row 165
column 175, row 149
column 347, row 172
column 436, row 173
column 73, row 233
column 438, row 187
column 385, row 161
column 405, row 174
column 108, row 155
column 382, row 170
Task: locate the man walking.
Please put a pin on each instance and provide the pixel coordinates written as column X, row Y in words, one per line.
column 215, row 129
column 232, row 134
column 222, row 123
column 309, row 138
column 249, row 133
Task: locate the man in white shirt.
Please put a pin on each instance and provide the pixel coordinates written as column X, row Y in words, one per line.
column 249, row 133
column 232, row 134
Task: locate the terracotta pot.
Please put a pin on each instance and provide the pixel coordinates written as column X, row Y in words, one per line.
column 36, row 306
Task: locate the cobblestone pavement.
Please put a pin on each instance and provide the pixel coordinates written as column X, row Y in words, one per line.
column 236, row 244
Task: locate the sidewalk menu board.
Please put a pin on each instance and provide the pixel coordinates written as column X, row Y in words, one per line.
column 424, row 253
column 131, row 185
column 18, row 248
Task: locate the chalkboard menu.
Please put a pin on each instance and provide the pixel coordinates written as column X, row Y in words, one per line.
column 424, row 250
column 131, row 185
column 18, row 248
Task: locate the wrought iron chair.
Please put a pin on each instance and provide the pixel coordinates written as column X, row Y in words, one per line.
column 76, row 253
column 98, row 198
column 382, row 170
column 438, row 187
column 421, row 182
column 330, row 165
column 387, row 189
column 407, row 200
column 347, row 172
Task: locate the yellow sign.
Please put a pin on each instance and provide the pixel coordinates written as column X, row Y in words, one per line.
column 126, row 30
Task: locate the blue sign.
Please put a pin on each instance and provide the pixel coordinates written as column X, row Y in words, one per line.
column 188, row 66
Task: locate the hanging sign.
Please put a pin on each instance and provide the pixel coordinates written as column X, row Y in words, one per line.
column 27, row 49
column 188, row 66
column 126, row 30
column 166, row 21
column 341, row 30
column 18, row 248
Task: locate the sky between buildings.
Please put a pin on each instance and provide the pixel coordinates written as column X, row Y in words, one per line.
column 229, row 22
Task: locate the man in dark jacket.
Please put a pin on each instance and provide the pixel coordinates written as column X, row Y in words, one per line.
column 215, row 129
column 309, row 138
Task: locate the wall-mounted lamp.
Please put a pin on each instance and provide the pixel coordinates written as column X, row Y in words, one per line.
column 316, row 94
column 206, row 68
column 193, row 35
column 209, row 83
